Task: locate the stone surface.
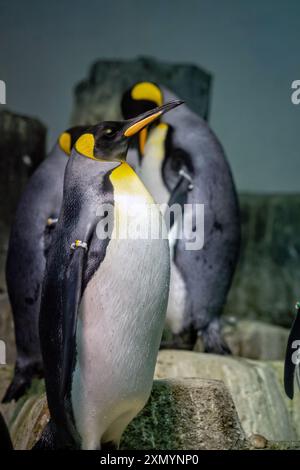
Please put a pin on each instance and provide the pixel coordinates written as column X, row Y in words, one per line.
column 256, row 340
column 293, row 406
column 29, row 421
column 22, row 148
column 254, row 387
column 186, row 414
column 266, row 283
column 98, row 97
column 6, row 373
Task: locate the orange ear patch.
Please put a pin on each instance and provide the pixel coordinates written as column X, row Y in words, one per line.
column 85, row 145
column 65, row 142
column 147, row 91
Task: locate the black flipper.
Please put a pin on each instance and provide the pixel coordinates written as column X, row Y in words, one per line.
column 49, row 439
column 292, row 357
column 5, row 440
column 71, row 301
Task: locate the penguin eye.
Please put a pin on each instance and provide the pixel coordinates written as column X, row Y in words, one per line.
column 109, row 132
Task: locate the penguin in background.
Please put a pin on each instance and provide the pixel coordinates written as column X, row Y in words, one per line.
column 104, row 299
column 30, row 237
column 180, row 160
column 292, row 357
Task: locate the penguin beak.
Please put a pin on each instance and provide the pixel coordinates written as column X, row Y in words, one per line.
column 135, row 125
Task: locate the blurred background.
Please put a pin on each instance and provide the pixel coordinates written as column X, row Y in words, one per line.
column 233, row 61
column 249, row 47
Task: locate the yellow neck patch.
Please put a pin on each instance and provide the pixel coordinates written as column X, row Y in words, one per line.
column 142, row 140
column 147, row 91
column 85, row 145
column 154, row 145
column 64, row 142
column 126, row 182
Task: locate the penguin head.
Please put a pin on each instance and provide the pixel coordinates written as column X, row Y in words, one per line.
column 109, row 140
column 68, row 138
column 141, row 97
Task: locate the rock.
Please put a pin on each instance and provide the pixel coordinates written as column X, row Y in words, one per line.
column 6, row 373
column 98, row 97
column 293, row 406
column 22, row 148
column 266, row 285
column 29, row 422
column 254, row 387
column 186, row 414
column 257, row 441
column 256, row 340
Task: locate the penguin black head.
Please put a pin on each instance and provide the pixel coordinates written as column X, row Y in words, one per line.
column 109, row 140
column 141, row 97
column 68, row 138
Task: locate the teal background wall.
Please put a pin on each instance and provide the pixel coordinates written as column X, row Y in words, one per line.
column 251, row 48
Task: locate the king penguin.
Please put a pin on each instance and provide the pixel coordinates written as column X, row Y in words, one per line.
column 104, row 298
column 29, row 241
column 181, row 161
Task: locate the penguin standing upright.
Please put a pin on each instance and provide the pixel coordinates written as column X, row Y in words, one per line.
column 104, row 298
column 181, row 161
column 29, row 241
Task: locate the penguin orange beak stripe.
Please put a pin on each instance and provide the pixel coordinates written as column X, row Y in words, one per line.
column 143, row 139
column 136, row 127
column 143, row 120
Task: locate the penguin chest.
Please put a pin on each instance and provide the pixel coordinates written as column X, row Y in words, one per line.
column 152, row 161
column 121, row 319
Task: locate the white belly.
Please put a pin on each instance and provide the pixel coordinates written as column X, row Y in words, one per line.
column 121, row 319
